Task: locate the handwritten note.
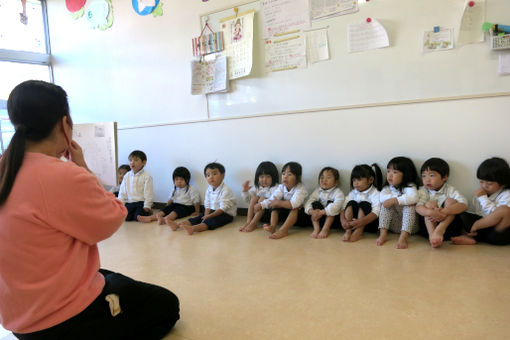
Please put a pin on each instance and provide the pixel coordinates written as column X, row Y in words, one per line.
column 284, row 15
column 471, row 22
column 367, row 36
column 286, row 52
column 322, row 9
column 209, row 76
column 317, row 45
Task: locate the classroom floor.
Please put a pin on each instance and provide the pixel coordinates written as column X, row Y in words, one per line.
column 235, row 285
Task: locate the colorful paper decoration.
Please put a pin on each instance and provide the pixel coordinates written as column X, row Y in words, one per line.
column 75, row 5
column 100, row 14
column 145, row 7
column 208, row 43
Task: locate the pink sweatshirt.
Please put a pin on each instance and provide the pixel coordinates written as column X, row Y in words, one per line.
column 49, row 227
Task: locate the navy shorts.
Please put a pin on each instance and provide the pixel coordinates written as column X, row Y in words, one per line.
column 303, row 220
column 366, row 207
column 487, row 235
column 180, row 209
column 135, row 209
column 212, row 223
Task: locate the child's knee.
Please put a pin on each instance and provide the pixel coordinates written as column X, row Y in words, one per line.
column 449, row 202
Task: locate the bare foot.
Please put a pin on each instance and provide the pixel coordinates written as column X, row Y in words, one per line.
column 357, row 234
column 250, row 228
column 172, row 224
column 402, row 242
column 323, row 234
column 314, row 234
column 242, row 228
column 144, row 219
column 161, row 220
column 189, row 228
column 270, row 228
column 347, row 235
column 463, row 240
column 278, row 234
column 381, row 240
column 436, row 240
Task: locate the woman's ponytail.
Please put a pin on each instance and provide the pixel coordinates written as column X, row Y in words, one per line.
column 11, row 162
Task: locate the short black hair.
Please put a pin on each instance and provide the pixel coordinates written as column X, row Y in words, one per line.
column 182, row 172
column 409, row 173
column 215, row 165
column 436, row 164
column 138, row 154
column 267, row 168
column 124, row 167
column 334, row 171
column 494, row 169
column 295, row 168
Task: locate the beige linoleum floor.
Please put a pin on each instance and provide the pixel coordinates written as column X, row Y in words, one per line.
column 235, row 285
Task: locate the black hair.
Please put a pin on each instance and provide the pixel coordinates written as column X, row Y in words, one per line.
column 124, row 167
column 295, row 168
column 35, row 107
column 215, row 165
column 334, row 171
column 366, row 171
column 138, row 154
column 436, row 164
column 267, row 168
column 494, row 169
column 183, row 173
column 409, row 173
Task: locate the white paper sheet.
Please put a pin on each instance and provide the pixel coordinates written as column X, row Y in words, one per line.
column 286, row 52
column 280, row 16
column 367, row 36
column 438, row 41
column 321, row 9
column 209, row 76
column 504, row 63
column 238, row 35
column 470, row 30
column 317, row 45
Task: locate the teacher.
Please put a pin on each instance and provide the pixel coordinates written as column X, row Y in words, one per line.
column 52, row 215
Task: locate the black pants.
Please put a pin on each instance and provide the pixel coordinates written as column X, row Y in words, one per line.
column 366, row 207
column 135, row 209
column 148, row 312
column 487, row 235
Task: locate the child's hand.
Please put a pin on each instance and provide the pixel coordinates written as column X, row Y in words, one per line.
column 75, row 154
column 480, row 192
column 437, row 216
column 205, row 217
column 246, row 186
column 274, row 203
column 389, row 203
column 257, row 207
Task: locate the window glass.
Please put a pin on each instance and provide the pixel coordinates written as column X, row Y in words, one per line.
column 14, row 35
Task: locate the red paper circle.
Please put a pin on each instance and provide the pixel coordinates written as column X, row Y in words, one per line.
column 75, row 5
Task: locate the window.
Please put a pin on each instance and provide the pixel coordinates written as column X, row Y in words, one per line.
column 24, row 52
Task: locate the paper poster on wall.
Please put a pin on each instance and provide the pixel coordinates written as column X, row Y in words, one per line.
column 76, row 7
column 317, row 45
column 145, row 7
column 504, row 63
column 438, row 41
column 286, row 52
column 471, row 22
column 100, row 14
column 209, row 76
column 238, row 37
column 280, row 16
column 322, row 9
column 367, row 35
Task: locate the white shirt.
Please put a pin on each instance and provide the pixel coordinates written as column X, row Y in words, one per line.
column 485, row 205
column 222, row 198
column 408, row 196
column 265, row 192
column 370, row 195
column 441, row 195
column 296, row 195
column 136, row 188
column 333, row 194
column 186, row 196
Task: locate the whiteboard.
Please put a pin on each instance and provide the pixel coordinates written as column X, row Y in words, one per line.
column 397, row 74
column 99, row 144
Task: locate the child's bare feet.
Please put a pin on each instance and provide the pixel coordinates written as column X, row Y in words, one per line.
column 242, row 228
column 436, row 240
column 189, row 228
column 144, row 219
column 357, row 234
column 279, row 234
column 323, row 233
column 161, row 220
column 463, row 240
column 314, row 234
column 402, row 241
column 172, row 224
column 249, row 228
column 269, row 228
column 347, row 235
column 381, row 240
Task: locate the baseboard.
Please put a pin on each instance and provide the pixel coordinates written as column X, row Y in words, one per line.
column 161, row 205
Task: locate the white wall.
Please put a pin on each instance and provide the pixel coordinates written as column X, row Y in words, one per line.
column 141, row 67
